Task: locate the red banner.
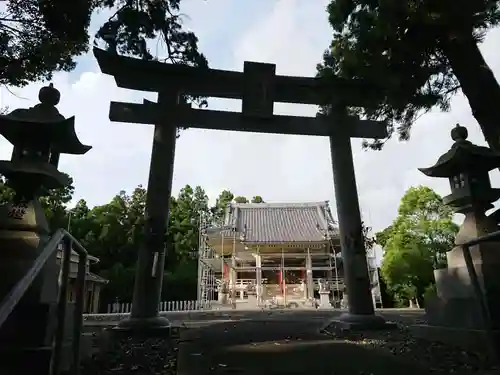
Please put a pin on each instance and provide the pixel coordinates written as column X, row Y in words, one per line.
column 225, row 272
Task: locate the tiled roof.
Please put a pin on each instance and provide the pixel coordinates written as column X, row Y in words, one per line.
column 281, row 222
column 74, row 255
column 90, row 277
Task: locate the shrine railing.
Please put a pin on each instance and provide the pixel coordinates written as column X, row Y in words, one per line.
column 9, row 303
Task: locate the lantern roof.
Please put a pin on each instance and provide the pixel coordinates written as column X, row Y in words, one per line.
column 43, row 125
column 46, row 174
column 463, row 157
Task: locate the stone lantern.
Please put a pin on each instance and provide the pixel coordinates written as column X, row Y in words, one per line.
column 467, row 168
column 39, row 135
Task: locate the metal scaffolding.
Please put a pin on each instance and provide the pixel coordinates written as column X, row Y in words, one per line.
column 207, row 282
column 225, row 268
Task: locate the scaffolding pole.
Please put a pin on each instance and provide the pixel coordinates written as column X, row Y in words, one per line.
column 283, row 276
column 336, row 271
column 258, row 277
column 232, row 273
column 206, row 276
column 199, row 291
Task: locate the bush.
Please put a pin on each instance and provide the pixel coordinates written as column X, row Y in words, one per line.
column 430, row 292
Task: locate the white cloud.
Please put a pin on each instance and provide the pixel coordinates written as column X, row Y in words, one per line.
column 294, row 37
column 280, row 168
column 118, row 159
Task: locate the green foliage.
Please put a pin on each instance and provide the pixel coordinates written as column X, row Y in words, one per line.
column 257, row 199
column 416, row 242
column 240, row 199
column 414, row 55
column 113, row 233
column 430, row 292
column 38, row 38
column 224, row 198
column 383, row 236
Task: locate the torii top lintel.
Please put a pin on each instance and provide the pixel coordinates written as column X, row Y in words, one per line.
column 142, row 75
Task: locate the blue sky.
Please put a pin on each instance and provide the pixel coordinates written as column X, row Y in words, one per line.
column 290, row 33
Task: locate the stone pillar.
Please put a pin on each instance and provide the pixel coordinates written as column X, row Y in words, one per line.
column 309, row 276
column 222, row 294
column 456, row 304
column 324, row 299
column 31, row 326
column 151, row 257
column 357, row 280
column 258, row 278
column 344, row 302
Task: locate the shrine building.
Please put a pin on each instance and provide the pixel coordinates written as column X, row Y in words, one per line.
column 272, row 253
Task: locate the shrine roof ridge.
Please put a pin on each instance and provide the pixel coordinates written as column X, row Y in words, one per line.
column 279, row 204
column 281, row 222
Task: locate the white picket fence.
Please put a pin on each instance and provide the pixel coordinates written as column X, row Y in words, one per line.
column 124, row 308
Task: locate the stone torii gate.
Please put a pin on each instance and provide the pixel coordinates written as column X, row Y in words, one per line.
column 259, row 88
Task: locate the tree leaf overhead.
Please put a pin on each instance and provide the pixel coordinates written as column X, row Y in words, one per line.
column 38, row 38
column 417, row 54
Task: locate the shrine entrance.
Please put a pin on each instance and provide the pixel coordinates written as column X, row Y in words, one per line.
column 259, row 88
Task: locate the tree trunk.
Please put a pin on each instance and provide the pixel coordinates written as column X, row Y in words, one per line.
column 478, row 83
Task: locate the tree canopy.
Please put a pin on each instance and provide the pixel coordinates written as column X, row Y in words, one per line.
column 416, row 242
column 257, row 199
column 38, row 38
column 241, row 199
column 417, row 55
column 113, row 232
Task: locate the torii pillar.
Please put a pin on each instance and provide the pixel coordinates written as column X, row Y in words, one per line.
column 361, row 312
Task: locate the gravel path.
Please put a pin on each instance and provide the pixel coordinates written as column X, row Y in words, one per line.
column 280, row 347
column 437, row 358
column 138, row 356
column 298, row 347
column 286, row 346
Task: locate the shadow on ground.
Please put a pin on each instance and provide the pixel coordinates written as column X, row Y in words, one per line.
column 280, row 347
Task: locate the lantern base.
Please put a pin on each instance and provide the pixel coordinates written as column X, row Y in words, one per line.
column 466, row 338
column 456, row 303
column 29, row 330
